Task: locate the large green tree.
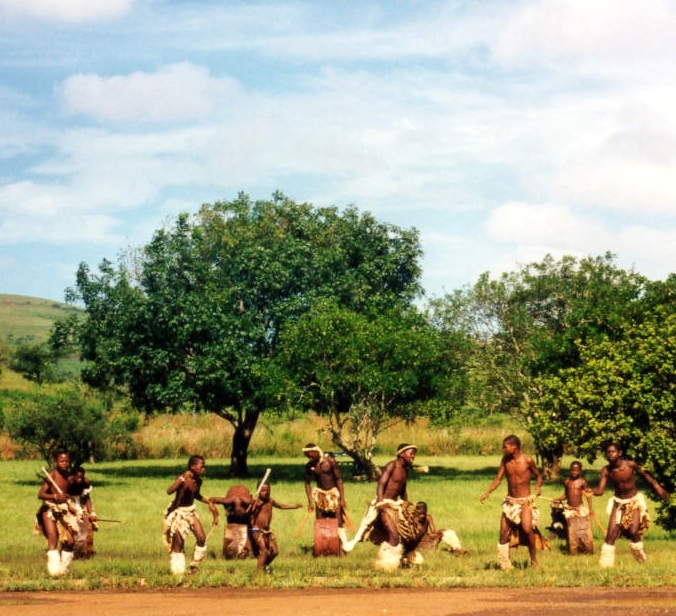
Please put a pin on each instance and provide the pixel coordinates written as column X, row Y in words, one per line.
column 195, row 317
column 530, row 323
column 363, row 372
column 622, row 390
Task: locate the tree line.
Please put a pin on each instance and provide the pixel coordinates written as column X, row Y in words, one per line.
column 251, row 307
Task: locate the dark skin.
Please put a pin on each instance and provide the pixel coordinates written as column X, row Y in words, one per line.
column 236, row 504
column 392, row 485
column 261, row 516
column 187, row 488
column 622, row 474
column 576, row 488
column 57, row 493
column 519, row 469
column 323, row 470
column 77, row 483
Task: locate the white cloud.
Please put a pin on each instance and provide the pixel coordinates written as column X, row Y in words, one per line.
column 527, row 232
column 546, row 224
column 173, row 93
column 593, row 35
column 70, row 11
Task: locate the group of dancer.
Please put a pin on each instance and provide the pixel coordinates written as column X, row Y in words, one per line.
column 399, row 526
column 627, row 508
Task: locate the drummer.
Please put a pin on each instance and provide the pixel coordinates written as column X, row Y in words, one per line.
column 327, row 497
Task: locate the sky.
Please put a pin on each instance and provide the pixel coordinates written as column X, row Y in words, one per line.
column 502, row 130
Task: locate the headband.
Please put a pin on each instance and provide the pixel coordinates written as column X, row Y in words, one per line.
column 404, row 448
column 315, row 448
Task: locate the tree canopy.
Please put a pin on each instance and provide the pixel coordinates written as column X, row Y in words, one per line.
column 361, row 371
column 195, row 318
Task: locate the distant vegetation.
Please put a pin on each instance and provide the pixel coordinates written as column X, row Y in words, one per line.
column 29, row 319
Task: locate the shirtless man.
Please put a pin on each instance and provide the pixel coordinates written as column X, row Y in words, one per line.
column 56, row 517
column 390, row 513
column 519, row 513
column 627, row 508
column 392, row 487
column 262, row 538
column 180, row 517
column 577, row 514
column 327, row 499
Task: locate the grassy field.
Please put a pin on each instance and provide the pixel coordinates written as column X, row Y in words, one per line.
column 29, row 318
column 130, row 554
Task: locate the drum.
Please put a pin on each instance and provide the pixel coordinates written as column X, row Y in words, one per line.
column 327, row 542
column 236, row 542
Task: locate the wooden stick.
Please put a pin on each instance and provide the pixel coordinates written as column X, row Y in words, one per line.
column 592, row 513
column 347, row 520
column 51, row 480
column 262, row 483
column 302, row 525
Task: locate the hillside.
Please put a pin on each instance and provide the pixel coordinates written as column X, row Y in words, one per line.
column 25, row 318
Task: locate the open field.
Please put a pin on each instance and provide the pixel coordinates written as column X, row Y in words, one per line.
column 130, row 554
column 29, row 318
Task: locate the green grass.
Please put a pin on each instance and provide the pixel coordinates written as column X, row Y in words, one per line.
column 130, row 554
column 29, row 318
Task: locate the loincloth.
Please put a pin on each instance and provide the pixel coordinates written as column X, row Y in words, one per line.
column 67, row 522
column 178, row 522
column 624, row 511
column 268, row 537
column 403, row 513
column 327, row 501
column 511, row 509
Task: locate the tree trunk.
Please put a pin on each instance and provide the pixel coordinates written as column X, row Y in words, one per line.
column 365, row 466
column 551, row 462
column 241, row 438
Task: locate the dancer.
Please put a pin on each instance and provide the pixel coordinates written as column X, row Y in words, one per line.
column 520, row 516
column 391, row 520
column 56, row 518
column 627, row 508
column 262, row 538
column 180, row 517
column 327, row 498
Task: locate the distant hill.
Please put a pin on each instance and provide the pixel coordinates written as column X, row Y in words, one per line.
column 29, row 319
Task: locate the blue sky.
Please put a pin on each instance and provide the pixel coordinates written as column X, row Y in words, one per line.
column 501, row 130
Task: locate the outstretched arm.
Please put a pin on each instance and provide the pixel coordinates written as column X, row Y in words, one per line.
column 659, row 490
column 283, row 506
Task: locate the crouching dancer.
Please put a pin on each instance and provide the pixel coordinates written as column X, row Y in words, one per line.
column 391, row 521
column 180, row 517
column 627, row 508
column 56, row 519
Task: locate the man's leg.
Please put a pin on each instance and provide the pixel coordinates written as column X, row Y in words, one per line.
column 607, row 558
column 503, row 546
column 527, row 526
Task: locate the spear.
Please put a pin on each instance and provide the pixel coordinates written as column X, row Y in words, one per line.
column 262, row 483
column 51, row 481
